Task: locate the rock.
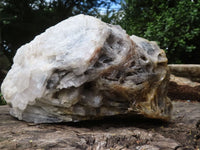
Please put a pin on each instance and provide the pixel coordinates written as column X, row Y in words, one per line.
column 82, row 69
column 110, row 133
column 191, row 71
column 186, row 112
column 184, row 82
column 183, row 88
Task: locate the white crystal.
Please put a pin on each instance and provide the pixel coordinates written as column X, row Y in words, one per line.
column 83, row 68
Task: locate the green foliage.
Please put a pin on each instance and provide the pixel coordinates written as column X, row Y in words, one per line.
column 2, row 100
column 4, row 62
column 22, row 20
column 111, row 16
column 175, row 25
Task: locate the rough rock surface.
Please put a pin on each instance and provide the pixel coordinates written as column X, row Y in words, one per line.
column 82, row 69
column 113, row 133
column 191, row 71
column 184, row 82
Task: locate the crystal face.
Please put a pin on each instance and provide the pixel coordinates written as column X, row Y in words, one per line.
column 83, row 68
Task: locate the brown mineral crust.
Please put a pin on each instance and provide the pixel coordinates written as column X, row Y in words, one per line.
column 95, row 55
column 136, row 96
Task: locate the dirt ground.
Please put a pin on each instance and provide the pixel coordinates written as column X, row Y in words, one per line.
column 112, row 133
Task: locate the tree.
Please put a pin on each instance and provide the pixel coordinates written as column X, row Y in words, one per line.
column 22, row 20
column 175, row 25
column 19, row 24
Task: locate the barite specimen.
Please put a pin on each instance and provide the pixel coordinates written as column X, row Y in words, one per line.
column 83, row 68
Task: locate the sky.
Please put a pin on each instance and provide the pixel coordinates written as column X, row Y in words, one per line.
column 114, row 6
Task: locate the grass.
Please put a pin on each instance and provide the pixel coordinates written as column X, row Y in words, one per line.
column 2, row 100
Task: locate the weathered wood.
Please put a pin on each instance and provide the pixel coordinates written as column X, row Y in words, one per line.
column 111, row 133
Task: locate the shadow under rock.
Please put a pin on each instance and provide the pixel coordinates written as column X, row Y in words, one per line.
column 119, row 121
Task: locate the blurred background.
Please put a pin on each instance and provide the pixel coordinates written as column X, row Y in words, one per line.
column 173, row 24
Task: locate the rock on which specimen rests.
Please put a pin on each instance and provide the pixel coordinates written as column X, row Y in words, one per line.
column 183, row 88
column 83, row 68
column 184, row 82
column 190, row 71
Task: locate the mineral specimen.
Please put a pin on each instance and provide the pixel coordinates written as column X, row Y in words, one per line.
column 83, row 68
